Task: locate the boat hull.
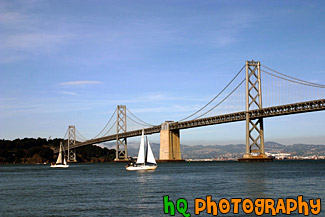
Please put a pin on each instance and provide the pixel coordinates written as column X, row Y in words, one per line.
column 144, row 167
column 59, row 166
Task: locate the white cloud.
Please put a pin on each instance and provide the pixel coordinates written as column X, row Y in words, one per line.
column 79, row 82
column 69, row 93
column 6, row 99
column 25, row 35
column 12, row 18
column 35, row 40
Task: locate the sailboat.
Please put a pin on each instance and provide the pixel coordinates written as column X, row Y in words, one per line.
column 146, row 159
column 61, row 162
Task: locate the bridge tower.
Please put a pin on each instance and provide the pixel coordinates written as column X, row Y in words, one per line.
column 254, row 127
column 71, row 141
column 121, row 142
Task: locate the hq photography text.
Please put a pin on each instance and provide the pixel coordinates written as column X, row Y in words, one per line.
column 258, row 206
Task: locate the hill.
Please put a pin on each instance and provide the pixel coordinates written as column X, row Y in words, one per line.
column 234, row 150
column 40, row 150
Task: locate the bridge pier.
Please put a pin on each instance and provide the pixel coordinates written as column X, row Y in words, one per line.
column 72, row 156
column 170, row 148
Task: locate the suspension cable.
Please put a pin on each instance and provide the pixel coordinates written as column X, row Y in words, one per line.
column 81, row 136
column 215, row 96
column 80, row 140
column 138, row 122
column 66, row 132
column 223, row 99
column 307, row 82
column 105, row 125
column 110, row 128
column 297, row 82
column 138, row 118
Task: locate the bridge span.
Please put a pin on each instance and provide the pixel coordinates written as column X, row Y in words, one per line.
column 303, row 107
column 253, row 114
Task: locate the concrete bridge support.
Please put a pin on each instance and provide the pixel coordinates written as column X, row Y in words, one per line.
column 170, row 148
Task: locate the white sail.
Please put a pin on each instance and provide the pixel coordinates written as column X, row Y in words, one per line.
column 141, row 155
column 150, row 157
column 59, row 160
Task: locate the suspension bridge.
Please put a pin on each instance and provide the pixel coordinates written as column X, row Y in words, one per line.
column 239, row 100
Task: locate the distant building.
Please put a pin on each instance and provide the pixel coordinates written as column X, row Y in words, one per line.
column 279, row 156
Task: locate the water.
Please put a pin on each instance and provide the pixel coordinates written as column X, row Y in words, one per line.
column 110, row 190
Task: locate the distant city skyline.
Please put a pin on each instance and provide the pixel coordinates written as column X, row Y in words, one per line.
column 72, row 62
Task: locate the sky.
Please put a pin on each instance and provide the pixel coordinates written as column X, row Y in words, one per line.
column 72, row 62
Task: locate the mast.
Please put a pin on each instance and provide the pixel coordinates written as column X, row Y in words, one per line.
column 59, row 160
column 62, row 155
column 146, row 151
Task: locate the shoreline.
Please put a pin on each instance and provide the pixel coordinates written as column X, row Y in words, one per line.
column 163, row 162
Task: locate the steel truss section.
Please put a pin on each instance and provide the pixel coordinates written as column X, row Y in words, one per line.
column 121, row 141
column 289, row 109
column 254, row 128
column 302, row 107
column 71, row 143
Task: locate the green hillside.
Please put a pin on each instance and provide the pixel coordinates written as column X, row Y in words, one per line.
column 40, row 150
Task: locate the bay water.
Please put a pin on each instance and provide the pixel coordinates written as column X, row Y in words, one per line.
column 110, row 190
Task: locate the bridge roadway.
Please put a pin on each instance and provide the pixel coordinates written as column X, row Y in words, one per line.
column 289, row 109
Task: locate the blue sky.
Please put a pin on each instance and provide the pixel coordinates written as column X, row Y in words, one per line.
column 72, row 62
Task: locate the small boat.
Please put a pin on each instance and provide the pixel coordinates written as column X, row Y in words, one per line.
column 61, row 162
column 146, row 159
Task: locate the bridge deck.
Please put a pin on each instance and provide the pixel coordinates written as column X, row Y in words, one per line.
column 289, row 109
